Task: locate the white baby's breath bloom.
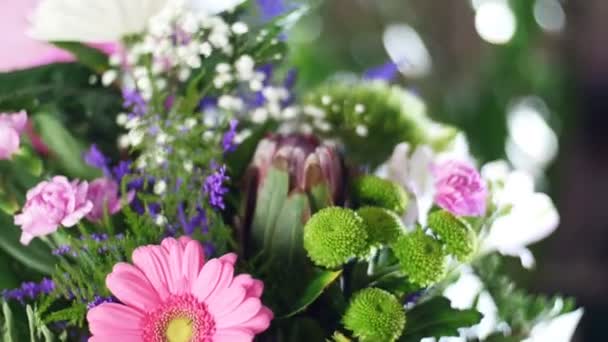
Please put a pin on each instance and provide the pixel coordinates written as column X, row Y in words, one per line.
column 160, row 220
column 95, row 21
column 160, row 187
column 188, row 166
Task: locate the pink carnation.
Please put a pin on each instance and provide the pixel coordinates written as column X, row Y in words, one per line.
column 459, row 189
column 11, row 127
column 171, row 294
column 51, row 204
column 103, row 193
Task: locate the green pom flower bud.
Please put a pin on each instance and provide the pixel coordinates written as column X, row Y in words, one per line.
column 375, row 315
column 421, row 258
column 383, row 226
column 458, row 238
column 372, row 190
column 335, row 235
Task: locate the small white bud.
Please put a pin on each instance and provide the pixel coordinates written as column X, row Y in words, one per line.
column 160, row 187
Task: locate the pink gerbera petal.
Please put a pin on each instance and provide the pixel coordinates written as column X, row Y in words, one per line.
column 170, row 292
column 114, row 319
column 132, row 288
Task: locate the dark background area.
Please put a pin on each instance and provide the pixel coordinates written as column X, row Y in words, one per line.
column 475, row 84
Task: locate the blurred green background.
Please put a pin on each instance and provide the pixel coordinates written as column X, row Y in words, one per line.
column 528, row 82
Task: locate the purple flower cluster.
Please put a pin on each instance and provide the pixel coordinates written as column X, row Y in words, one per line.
column 65, row 250
column 198, row 220
column 228, row 141
column 134, row 101
column 271, row 8
column 95, row 158
column 98, row 300
column 29, row 290
column 214, row 187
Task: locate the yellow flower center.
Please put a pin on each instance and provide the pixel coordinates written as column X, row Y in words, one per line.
column 180, row 330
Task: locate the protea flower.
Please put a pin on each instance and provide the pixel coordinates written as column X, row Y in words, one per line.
column 290, row 178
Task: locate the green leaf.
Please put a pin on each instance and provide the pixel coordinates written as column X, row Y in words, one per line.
column 436, row 318
column 271, row 198
column 27, row 160
column 315, row 288
column 91, row 57
column 287, row 242
column 64, row 146
column 8, row 325
column 38, row 330
column 37, row 255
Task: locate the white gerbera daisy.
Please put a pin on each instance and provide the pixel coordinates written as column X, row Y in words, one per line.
column 94, row 21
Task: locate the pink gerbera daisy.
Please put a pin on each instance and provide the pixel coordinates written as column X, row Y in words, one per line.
column 172, row 294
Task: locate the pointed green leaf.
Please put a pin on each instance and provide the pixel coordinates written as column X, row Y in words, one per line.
column 8, row 325
column 315, row 288
column 287, row 245
column 91, row 57
column 27, row 160
column 36, row 255
column 436, row 318
column 271, row 198
column 68, row 151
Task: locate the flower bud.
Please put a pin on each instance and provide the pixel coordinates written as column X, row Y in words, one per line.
column 308, row 161
column 375, row 315
column 458, row 238
column 372, row 190
column 335, row 235
column 421, row 257
column 383, row 226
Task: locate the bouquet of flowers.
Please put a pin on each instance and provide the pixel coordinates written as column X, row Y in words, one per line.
column 238, row 206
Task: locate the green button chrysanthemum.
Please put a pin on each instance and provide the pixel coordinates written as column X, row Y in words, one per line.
column 371, row 190
column 383, row 226
column 459, row 239
column 335, row 235
column 375, row 315
column 421, row 258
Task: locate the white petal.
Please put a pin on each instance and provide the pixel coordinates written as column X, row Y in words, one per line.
column 464, row 291
column 531, row 219
column 397, row 165
column 92, row 21
column 213, row 7
column 421, row 182
column 559, row 329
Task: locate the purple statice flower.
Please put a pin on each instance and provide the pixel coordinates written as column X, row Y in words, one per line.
column 133, row 100
column 385, row 72
column 196, row 221
column 63, row 250
column 209, row 249
column 98, row 300
column 271, row 8
column 207, row 102
column 228, row 143
column 29, row 290
column 214, row 187
column 95, row 158
column 121, row 170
